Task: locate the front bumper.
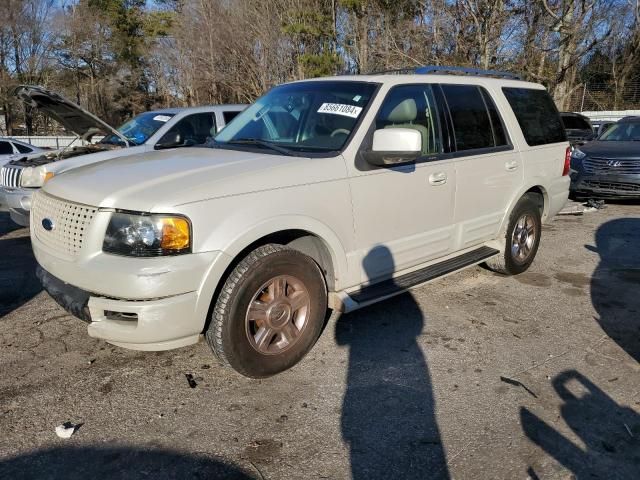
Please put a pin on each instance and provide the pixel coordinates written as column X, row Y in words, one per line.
column 142, row 304
column 18, row 201
column 615, row 187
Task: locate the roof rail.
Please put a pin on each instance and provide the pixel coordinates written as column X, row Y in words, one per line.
column 442, row 69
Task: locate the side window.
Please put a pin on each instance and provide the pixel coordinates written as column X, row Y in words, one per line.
column 5, row 148
column 22, row 148
column 499, row 135
column 471, row 124
column 413, row 107
column 537, row 115
column 194, row 129
column 228, row 116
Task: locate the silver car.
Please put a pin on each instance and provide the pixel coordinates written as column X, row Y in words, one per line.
column 148, row 131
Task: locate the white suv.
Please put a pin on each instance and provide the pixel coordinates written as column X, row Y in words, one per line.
column 328, row 193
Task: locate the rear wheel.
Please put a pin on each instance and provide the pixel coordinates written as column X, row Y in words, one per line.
column 522, row 238
column 269, row 313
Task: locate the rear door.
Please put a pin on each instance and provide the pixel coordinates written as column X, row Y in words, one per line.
column 488, row 168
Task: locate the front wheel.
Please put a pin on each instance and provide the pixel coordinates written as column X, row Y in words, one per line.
column 269, row 313
column 522, row 238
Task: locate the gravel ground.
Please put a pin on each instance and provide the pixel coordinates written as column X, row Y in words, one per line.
column 474, row 376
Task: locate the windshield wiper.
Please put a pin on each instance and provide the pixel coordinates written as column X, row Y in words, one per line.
column 262, row 143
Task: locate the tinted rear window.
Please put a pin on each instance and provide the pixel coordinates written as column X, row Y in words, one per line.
column 575, row 123
column 537, row 115
column 471, row 124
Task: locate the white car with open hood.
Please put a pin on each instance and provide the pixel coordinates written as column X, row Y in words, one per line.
column 154, row 130
column 331, row 193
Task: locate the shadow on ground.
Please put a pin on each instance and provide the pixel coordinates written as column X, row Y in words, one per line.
column 388, row 412
column 18, row 282
column 615, row 285
column 81, row 463
column 608, row 433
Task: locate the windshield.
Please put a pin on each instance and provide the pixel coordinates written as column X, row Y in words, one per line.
column 302, row 117
column 621, row 132
column 139, row 128
column 575, row 123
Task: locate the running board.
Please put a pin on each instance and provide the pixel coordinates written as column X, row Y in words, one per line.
column 388, row 288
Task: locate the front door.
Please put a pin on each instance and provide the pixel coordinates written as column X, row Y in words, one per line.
column 404, row 214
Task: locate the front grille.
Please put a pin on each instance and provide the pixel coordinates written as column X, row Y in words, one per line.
column 10, row 176
column 618, row 187
column 70, row 223
column 611, row 166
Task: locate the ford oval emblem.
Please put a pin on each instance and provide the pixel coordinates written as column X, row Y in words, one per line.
column 48, row 224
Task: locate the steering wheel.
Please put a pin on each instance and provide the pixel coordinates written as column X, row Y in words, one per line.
column 340, row 130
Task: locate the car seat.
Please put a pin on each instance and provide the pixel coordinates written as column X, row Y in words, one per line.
column 404, row 115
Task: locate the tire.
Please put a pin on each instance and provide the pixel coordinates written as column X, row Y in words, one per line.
column 518, row 252
column 282, row 324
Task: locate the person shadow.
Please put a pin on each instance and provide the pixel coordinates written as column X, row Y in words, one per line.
column 609, row 433
column 117, row 462
column 18, row 281
column 615, row 283
column 388, row 411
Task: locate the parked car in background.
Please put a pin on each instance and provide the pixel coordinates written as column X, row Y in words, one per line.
column 600, row 126
column 578, row 127
column 609, row 167
column 155, row 130
column 334, row 192
column 11, row 148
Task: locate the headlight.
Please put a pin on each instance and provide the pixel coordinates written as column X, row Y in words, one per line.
column 34, row 177
column 578, row 154
column 147, row 235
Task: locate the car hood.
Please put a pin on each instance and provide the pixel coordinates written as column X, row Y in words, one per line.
column 629, row 150
column 163, row 180
column 70, row 115
column 37, row 159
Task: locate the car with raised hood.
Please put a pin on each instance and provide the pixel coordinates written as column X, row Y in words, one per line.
column 578, row 127
column 609, row 167
column 154, row 130
column 331, row 193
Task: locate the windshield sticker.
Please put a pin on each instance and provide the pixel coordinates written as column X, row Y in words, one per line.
column 357, row 98
column 161, row 118
column 340, row 109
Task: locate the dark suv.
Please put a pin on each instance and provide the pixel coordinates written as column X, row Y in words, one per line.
column 609, row 167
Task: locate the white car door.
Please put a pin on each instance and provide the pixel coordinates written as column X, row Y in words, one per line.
column 403, row 215
column 488, row 168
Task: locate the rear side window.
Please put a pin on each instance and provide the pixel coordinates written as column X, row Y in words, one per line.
column 471, row 123
column 537, row 115
column 22, row 148
column 228, row 116
column 5, row 148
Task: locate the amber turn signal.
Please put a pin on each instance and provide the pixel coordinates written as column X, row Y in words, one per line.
column 175, row 233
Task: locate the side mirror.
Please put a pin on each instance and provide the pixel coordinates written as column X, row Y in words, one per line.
column 394, row 146
column 169, row 140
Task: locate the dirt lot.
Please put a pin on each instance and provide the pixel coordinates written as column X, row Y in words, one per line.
column 409, row 388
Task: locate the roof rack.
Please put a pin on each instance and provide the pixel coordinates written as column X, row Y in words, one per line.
column 442, row 69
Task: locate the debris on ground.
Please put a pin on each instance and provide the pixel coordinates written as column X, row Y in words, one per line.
column 517, row 383
column 192, row 381
column 66, row 429
column 592, row 205
column 572, row 208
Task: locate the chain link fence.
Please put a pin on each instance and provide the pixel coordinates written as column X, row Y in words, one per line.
column 605, row 97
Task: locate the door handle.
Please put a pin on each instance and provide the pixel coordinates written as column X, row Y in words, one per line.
column 439, row 178
column 511, row 166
